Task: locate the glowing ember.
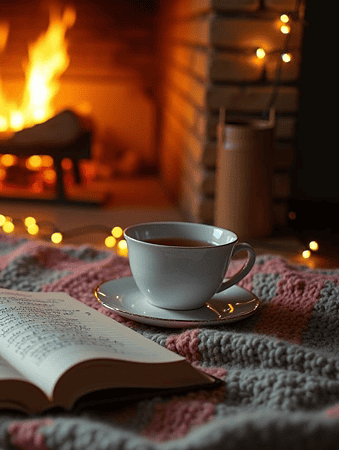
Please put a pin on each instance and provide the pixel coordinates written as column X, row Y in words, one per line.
column 48, row 59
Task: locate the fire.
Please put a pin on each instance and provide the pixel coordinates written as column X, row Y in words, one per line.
column 48, row 59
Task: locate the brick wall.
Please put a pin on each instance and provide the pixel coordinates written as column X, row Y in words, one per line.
column 209, row 62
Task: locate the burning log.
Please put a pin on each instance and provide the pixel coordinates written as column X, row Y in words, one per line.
column 62, row 129
column 66, row 135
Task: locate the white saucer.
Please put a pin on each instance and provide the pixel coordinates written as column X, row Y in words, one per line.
column 123, row 296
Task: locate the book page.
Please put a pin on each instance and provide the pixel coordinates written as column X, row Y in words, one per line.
column 43, row 334
column 9, row 372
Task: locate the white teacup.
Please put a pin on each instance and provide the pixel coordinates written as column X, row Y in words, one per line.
column 185, row 263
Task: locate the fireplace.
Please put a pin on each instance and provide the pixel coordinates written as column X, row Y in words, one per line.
column 151, row 77
column 108, row 81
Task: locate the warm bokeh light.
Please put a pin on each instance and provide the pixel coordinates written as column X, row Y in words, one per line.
column 285, row 29
column 306, row 254
column 29, row 221
column 286, row 57
column 313, row 245
column 8, row 226
column 122, row 248
column 284, row 18
column 2, row 219
column 8, row 160
column 33, row 229
column 117, row 232
column 49, row 176
column 46, row 161
column 122, row 244
column 56, row 238
column 260, row 52
column 34, row 162
column 110, row 241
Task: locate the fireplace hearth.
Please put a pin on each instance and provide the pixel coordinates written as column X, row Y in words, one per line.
column 64, row 136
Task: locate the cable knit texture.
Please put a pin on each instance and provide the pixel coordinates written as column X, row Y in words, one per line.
column 280, row 366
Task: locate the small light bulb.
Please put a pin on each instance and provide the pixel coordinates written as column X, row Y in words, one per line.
column 8, row 227
column 285, row 29
column 286, row 57
column 117, row 232
column 122, row 244
column 313, row 245
column 306, row 254
column 260, row 52
column 56, row 238
column 2, row 219
column 47, row 161
column 284, row 18
column 29, row 221
column 49, row 176
column 33, row 162
column 110, row 241
column 8, row 160
column 33, row 229
column 122, row 248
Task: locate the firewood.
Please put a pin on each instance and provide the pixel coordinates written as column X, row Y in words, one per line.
column 61, row 129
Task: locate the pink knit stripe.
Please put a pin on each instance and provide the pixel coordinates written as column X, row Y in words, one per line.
column 85, row 277
column 26, row 436
column 273, row 265
column 56, row 258
column 288, row 315
column 186, row 344
column 176, row 418
column 332, row 412
column 28, row 247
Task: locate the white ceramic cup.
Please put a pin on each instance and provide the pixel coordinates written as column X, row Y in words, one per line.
column 180, row 277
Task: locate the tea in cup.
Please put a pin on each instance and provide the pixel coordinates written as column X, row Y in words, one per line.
column 181, row 265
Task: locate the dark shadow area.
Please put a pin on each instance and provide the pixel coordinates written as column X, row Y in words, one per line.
column 315, row 176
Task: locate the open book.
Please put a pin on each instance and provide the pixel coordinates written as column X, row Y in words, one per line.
column 55, row 350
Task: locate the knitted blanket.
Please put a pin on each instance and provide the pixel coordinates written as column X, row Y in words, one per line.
column 280, row 366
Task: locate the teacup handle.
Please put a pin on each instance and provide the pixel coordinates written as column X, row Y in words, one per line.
column 244, row 270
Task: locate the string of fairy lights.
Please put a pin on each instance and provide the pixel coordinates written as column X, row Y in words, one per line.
column 285, row 25
column 285, row 28
column 46, row 230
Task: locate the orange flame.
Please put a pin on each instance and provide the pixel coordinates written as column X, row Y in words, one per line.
column 48, row 59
